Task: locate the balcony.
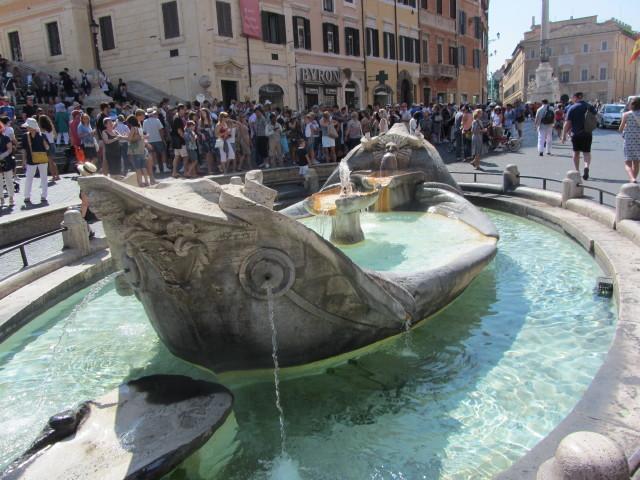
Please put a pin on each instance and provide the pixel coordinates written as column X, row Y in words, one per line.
column 439, row 22
column 439, row 71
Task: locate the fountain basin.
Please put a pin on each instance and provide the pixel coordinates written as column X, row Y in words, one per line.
column 528, row 337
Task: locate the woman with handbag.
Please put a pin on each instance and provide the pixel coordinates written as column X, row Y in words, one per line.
column 49, row 131
column 35, row 148
column 87, row 139
column 329, row 135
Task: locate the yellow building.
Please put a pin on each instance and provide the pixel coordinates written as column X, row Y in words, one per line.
column 298, row 53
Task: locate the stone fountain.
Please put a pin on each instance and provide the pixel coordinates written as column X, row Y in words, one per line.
column 204, row 258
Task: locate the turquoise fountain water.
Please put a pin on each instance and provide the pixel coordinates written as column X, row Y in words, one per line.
column 489, row 376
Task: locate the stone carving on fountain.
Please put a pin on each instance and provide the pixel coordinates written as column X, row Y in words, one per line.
column 201, row 258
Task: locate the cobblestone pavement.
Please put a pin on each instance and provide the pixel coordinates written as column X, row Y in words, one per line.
column 607, row 173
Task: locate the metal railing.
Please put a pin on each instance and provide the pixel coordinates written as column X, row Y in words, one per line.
column 545, row 181
column 20, row 246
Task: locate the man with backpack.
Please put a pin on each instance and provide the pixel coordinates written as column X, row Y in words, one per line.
column 581, row 120
column 544, row 123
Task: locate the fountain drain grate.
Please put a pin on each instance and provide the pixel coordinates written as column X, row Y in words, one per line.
column 604, row 287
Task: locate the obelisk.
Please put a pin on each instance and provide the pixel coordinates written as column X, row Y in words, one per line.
column 546, row 86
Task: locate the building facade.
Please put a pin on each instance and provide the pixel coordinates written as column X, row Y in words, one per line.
column 325, row 52
column 586, row 55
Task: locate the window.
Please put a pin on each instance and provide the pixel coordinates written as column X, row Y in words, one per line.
column 453, row 8
column 585, row 48
column 462, row 55
column 225, row 29
column 425, row 51
column 453, row 56
column 603, row 73
column 331, row 38
column 53, row 35
column 389, row 45
column 439, row 7
column 604, row 45
column 462, row 22
column 440, row 54
column 476, row 58
column 373, row 43
column 106, row 33
column 327, row 5
column 409, row 49
column 584, row 75
column 170, row 20
column 477, row 28
column 273, row 29
column 352, row 41
column 301, row 33
column 424, row 4
column 14, row 45
column 532, row 77
column 410, row 3
column 564, row 77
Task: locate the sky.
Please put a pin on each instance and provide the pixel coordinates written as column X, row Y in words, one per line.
column 511, row 18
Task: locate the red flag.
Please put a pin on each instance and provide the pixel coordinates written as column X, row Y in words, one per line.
column 251, row 20
column 636, row 51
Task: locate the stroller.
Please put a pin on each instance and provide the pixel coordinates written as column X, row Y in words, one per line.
column 503, row 142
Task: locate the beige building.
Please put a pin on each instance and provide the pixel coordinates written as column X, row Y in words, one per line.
column 344, row 52
column 586, row 55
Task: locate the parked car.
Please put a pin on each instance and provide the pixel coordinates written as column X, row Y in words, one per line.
column 610, row 115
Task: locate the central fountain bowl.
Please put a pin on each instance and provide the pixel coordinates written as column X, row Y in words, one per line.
column 205, row 259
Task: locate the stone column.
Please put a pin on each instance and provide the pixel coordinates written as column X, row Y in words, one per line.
column 544, row 32
column 628, row 202
column 571, row 187
column 76, row 236
column 510, row 178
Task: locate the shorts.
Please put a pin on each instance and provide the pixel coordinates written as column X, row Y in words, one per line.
column 582, row 142
column 180, row 152
column 158, row 147
column 138, row 162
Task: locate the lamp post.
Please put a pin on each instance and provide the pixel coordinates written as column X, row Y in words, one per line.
column 95, row 28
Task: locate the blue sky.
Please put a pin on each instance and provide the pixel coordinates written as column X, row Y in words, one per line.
column 511, row 18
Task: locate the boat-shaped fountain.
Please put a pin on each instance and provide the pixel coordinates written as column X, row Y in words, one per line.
column 204, row 259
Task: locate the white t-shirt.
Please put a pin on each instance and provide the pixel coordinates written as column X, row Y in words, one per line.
column 152, row 127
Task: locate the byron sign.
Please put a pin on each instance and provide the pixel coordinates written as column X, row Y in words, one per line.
column 318, row 76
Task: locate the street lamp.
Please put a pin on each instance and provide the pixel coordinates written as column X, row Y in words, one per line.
column 95, row 28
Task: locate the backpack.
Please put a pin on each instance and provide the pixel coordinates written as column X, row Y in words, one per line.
column 548, row 117
column 590, row 121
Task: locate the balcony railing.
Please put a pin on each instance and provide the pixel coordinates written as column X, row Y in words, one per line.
column 439, row 71
column 439, row 22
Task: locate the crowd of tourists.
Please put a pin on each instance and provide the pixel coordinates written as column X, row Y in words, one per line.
column 208, row 137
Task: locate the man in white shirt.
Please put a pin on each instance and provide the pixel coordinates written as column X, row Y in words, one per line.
column 545, row 117
column 152, row 127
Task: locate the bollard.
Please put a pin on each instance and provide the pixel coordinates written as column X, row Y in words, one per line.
column 586, row 456
column 571, row 187
column 510, row 178
column 76, row 236
column 311, row 181
column 628, row 202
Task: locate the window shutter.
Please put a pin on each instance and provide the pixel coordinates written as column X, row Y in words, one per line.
column 385, row 44
column 296, row 44
column 282, row 29
column 325, row 30
column 376, row 43
column 336, row 37
column 416, row 44
column 265, row 26
column 346, row 40
column 356, row 42
column 392, row 43
column 307, row 33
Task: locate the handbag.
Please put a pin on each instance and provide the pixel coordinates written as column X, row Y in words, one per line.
column 37, row 157
column 331, row 131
